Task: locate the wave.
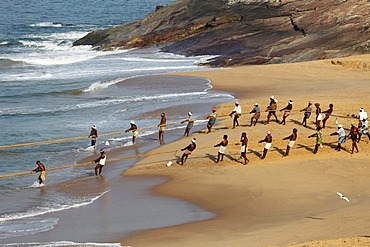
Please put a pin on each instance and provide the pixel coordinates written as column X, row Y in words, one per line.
column 10, row 62
column 101, row 85
column 62, row 244
column 51, row 207
column 4, row 43
column 50, row 24
column 103, row 102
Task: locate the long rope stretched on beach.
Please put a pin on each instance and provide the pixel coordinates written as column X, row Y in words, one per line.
column 88, row 163
column 111, row 160
column 40, row 143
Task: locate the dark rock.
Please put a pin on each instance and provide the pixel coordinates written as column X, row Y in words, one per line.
column 247, row 31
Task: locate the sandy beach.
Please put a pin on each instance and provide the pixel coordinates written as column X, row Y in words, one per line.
column 278, row 201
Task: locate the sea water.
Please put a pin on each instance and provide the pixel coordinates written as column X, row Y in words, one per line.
column 51, row 90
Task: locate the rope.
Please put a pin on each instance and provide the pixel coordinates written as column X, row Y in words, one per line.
column 87, row 163
column 40, row 143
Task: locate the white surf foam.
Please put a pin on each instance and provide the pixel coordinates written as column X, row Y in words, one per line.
column 46, row 24
column 51, row 207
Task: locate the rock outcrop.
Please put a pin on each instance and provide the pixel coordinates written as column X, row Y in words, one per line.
column 248, row 31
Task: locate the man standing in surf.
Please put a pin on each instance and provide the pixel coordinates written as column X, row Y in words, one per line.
column 40, row 168
column 101, row 162
column 135, row 133
column 162, row 127
column 93, row 135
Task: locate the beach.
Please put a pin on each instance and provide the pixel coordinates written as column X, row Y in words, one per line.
column 278, row 201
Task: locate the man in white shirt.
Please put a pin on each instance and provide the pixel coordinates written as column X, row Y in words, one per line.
column 238, row 112
column 364, row 129
column 101, row 162
column 341, row 136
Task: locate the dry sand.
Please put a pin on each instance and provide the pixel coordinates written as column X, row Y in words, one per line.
column 279, row 201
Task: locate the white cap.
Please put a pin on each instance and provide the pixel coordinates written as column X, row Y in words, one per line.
column 290, row 102
column 94, row 127
column 269, row 132
column 190, row 113
column 340, row 126
column 193, row 140
column 237, row 103
column 272, row 97
column 256, row 104
column 275, row 100
column 132, row 122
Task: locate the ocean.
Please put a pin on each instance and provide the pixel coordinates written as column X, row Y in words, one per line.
column 50, row 90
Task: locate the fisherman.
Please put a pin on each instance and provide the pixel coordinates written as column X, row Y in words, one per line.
column 361, row 115
column 162, row 127
column 328, row 112
column 287, row 110
column 341, row 136
column 271, row 109
column 188, row 150
column 100, row 162
column 364, row 129
column 268, row 140
column 257, row 114
column 211, row 119
column 40, row 168
column 133, row 128
column 353, row 134
column 318, row 114
column 318, row 136
column 93, row 135
column 190, row 121
column 292, row 138
column 222, row 149
column 307, row 113
column 243, row 150
column 238, row 112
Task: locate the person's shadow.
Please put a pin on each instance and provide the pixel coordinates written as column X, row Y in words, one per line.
column 258, row 154
column 296, row 122
column 211, row 157
column 280, row 151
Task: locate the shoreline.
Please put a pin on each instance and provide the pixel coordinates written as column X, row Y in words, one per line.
column 204, row 183
column 121, row 189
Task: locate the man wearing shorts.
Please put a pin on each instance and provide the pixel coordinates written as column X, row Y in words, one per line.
column 318, row 136
column 101, row 162
column 211, row 119
column 287, row 110
column 341, row 136
column 257, row 114
column 188, row 150
column 292, row 138
column 307, row 113
column 135, row 133
column 162, row 127
column 222, row 149
column 40, row 168
column 364, row 129
column 268, row 140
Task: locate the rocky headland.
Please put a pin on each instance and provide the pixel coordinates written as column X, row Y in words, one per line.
column 247, row 31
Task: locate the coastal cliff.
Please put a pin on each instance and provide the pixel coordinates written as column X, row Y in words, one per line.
column 247, row 31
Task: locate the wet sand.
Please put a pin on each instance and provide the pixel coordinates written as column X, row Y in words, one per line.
column 278, row 201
